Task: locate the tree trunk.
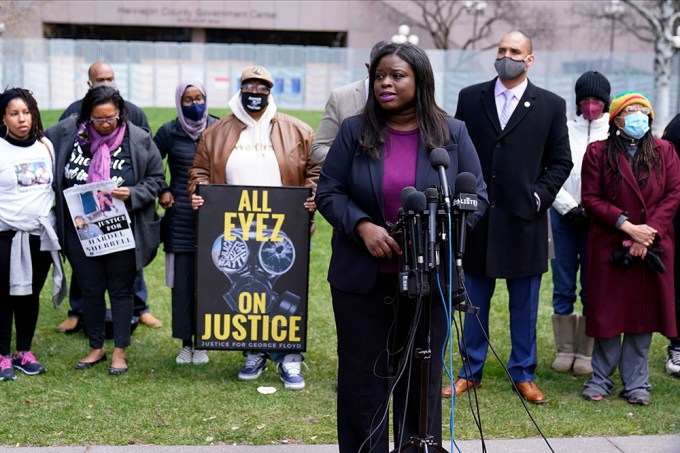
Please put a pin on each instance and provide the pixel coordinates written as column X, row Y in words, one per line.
column 663, row 65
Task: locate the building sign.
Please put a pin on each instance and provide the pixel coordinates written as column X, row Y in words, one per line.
column 195, row 15
column 252, row 268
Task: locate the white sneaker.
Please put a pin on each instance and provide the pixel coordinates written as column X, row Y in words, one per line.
column 200, row 357
column 185, row 355
column 673, row 362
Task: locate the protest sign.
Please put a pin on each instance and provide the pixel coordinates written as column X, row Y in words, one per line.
column 252, row 268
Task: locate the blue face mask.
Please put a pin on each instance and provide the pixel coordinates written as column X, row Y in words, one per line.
column 194, row 111
column 637, row 125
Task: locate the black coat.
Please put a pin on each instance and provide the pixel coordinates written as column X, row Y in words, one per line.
column 351, row 189
column 531, row 155
column 148, row 173
column 178, row 232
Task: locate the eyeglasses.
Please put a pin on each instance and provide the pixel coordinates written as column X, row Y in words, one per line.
column 104, row 120
column 255, row 88
column 637, row 108
column 199, row 99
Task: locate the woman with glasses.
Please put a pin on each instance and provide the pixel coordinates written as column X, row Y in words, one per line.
column 99, row 144
column 631, row 190
column 177, row 140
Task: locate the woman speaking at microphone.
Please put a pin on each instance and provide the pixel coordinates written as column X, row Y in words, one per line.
column 375, row 155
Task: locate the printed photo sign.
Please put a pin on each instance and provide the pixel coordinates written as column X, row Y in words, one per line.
column 252, row 268
column 102, row 222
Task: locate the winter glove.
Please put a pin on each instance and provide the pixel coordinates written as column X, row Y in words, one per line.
column 653, row 259
column 621, row 258
column 577, row 218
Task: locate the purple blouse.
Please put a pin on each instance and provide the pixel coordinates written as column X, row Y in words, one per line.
column 400, row 157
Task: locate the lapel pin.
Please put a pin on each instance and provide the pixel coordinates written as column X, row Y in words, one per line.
column 527, row 104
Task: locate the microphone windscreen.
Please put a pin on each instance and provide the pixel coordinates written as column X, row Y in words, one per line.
column 466, row 183
column 416, row 202
column 439, row 158
column 405, row 192
column 431, row 195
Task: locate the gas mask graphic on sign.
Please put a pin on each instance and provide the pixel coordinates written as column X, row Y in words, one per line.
column 253, row 267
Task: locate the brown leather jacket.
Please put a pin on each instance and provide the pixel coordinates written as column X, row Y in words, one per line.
column 291, row 139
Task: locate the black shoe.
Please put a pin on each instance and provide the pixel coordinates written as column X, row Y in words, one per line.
column 85, row 365
column 117, row 371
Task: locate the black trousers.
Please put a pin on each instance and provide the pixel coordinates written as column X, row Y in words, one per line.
column 183, row 310
column 373, row 330
column 96, row 275
column 24, row 309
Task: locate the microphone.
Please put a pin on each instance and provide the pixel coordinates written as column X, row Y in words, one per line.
column 465, row 202
column 432, row 197
column 417, row 203
column 439, row 159
column 409, row 229
column 399, row 231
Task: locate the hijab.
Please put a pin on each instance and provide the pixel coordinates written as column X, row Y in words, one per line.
column 193, row 129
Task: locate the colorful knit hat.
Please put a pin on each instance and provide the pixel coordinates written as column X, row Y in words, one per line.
column 623, row 100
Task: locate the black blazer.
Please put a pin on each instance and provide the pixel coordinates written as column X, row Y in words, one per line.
column 530, row 156
column 350, row 189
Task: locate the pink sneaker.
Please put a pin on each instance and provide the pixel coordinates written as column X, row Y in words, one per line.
column 26, row 362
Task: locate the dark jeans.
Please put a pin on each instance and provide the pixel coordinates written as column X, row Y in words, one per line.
column 141, row 294
column 113, row 273
column 571, row 245
column 24, row 309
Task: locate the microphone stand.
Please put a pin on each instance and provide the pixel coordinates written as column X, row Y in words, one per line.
column 424, row 442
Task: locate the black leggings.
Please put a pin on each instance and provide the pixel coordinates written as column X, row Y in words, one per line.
column 96, row 275
column 24, row 309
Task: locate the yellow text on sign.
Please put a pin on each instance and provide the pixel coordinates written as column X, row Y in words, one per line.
column 242, row 327
column 253, row 207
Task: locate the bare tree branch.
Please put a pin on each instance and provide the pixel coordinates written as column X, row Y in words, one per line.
column 441, row 20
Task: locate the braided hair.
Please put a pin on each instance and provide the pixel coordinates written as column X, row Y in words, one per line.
column 646, row 161
column 25, row 95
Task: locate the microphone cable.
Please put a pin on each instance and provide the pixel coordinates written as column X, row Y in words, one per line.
column 451, row 320
column 505, row 369
column 380, row 418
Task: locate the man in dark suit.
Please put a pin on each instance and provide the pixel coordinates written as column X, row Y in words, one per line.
column 520, row 134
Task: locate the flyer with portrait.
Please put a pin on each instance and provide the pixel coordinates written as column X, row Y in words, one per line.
column 101, row 221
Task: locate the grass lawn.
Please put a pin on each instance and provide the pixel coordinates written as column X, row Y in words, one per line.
column 160, row 402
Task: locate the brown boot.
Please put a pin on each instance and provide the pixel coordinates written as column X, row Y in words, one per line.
column 150, row 320
column 584, row 349
column 70, row 325
column 564, row 327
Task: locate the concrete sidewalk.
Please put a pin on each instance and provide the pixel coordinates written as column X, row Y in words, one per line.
column 628, row 444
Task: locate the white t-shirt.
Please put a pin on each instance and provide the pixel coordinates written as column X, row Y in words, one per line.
column 25, row 185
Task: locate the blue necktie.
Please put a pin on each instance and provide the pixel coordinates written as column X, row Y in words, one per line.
column 507, row 108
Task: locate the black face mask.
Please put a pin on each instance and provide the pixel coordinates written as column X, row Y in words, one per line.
column 254, row 102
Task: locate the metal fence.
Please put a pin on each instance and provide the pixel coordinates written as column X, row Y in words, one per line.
column 147, row 73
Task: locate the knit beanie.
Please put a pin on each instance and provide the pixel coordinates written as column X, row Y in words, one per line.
column 593, row 83
column 623, row 100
